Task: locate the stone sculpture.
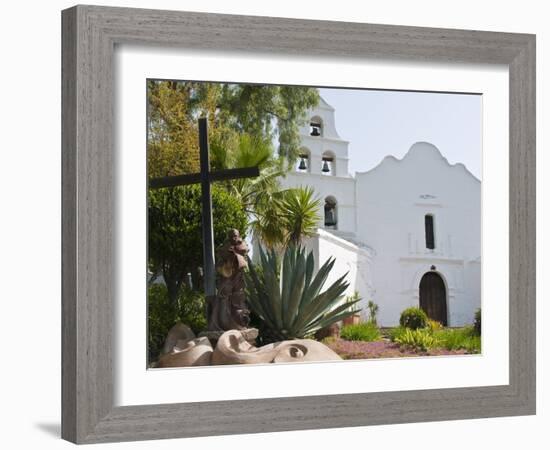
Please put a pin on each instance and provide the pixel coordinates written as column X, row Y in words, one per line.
column 183, row 349
column 186, row 353
column 233, row 348
column 179, row 332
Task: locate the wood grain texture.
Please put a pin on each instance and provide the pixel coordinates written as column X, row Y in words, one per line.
column 68, row 226
column 89, row 36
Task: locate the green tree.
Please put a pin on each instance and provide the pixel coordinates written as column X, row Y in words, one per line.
column 265, row 113
column 175, row 230
column 244, row 122
column 172, row 137
column 271, row 111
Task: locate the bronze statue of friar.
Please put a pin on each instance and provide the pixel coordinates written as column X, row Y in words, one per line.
column 228, row 310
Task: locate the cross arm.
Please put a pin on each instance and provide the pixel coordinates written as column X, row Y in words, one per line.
column 194, row 178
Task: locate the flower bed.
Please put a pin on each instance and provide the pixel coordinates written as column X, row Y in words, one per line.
column 381, row 349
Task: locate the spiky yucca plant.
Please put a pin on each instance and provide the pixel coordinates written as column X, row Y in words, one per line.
column 290, row 302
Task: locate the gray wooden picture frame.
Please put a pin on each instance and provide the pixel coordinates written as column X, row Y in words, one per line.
column 90, row 34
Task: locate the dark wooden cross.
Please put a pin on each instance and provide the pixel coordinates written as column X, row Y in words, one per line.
column 205, row 177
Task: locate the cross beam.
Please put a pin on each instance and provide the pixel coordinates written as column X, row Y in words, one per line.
column 194, row 178
column 205, row 178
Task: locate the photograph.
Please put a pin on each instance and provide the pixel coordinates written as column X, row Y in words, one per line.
column 278, row 223
column 290, row 224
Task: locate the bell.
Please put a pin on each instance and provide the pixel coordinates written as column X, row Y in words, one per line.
column 326, row 168
column 302, row 165
column 315, row 132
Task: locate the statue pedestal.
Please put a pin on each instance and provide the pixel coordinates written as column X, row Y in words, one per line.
column 249, row 334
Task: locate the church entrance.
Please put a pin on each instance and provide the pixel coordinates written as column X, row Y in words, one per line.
column 433, row 298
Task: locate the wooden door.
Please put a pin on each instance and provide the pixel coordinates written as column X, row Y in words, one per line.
column 433, row 298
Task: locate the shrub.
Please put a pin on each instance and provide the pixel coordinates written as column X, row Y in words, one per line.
column 287, row 297
column 413, row 318
column 164, row 314
column 419, row 339
column 477, row 322
column 396, row 332
column 434, row 325
column 175, row 230
column 366, row 332
column 373, row 311
column 459, row 338
column 448, row 338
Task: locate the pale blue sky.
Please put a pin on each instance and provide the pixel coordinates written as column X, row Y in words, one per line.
column 381, row 123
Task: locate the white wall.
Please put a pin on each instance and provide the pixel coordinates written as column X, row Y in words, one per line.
column 30, row 227
column 342, row 189
column 392, row 200
column 349, row 258
column 329, row 141
column 385, row 208
column 339, row 184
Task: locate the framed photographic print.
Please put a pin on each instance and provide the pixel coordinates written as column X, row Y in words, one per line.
column 316, row 233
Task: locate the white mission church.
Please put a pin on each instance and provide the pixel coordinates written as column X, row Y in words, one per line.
column 408, row 231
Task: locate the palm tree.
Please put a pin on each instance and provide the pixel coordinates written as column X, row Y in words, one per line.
column 250, row 151
column 277, row 217
column 256, row 191
column 299, row 214
column 258, row 195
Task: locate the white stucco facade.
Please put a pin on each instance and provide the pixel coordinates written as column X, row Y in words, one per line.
column 381, row 230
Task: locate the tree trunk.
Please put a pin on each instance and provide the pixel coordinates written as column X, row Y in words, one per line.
column 173, row 287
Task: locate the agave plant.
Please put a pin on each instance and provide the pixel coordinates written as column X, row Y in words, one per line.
column 289, row 301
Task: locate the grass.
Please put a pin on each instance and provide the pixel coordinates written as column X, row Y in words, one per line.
column 366, row 340
column 423, row 339
column 459, row 338
column 362, row 341
column 366, row 332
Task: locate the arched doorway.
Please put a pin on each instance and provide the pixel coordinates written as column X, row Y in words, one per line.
column 433, row 297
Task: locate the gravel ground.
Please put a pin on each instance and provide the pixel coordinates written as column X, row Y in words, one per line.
column 382, row 349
